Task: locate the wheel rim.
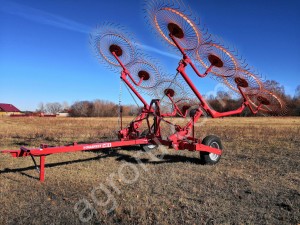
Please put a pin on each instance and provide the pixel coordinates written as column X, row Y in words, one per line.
column 214, row 156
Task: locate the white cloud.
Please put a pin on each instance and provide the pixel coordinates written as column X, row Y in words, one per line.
column 155, row 50
column 42, row 17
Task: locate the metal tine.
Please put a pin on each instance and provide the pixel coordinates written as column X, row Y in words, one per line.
column 233, row 50
column 119, row 31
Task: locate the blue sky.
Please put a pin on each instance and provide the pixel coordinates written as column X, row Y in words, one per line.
column 45, row 54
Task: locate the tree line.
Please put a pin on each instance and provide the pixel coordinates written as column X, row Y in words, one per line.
column 222, row 101
column 96, row 108
column 101, row 108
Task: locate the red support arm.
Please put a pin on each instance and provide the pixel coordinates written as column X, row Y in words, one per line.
column 42, row 168
column 213, row 113
column 126, row 72
column 176, row 109
column 181, row 69
column 246, row 102
column 123, row 77
column 187, row 60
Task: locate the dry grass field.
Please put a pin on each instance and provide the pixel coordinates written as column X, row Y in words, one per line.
column 257, row 180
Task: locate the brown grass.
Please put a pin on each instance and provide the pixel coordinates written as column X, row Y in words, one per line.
column 257, row 180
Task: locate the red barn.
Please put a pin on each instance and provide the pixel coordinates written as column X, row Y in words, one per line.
column 8, row 109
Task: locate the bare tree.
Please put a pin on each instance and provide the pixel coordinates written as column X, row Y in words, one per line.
column 82, row 108
column 297, row 92
column 53, row 108
column 274, row 86
column 97, row 108
column 65, row 106
column 41, row 108
column 294, row 103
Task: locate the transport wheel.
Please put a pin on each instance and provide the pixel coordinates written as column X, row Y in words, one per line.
column 211, row 158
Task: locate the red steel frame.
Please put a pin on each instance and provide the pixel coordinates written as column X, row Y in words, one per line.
column 181, row 140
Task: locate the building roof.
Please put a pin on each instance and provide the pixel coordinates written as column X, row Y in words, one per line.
column 8, row 108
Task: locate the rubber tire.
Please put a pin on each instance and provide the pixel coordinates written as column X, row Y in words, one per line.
column 206, row 157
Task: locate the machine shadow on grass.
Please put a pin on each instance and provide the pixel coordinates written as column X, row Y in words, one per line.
column 162, row 158
column 49, row 165
column 114, row 153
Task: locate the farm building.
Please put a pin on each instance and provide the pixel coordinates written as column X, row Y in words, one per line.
column 8, row 109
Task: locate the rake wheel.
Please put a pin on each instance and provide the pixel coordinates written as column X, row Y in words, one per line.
column 142, row 68
column 172, row 88
column 271, row 103
column 246, row 80
column 189, row 105
column 109, row 38
column 169, row 87
column 169, row 17
column 223, row 61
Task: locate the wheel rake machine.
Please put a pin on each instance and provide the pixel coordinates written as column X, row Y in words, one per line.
column 174, row 96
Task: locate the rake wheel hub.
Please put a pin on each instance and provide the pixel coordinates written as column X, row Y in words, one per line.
column 185, row 107
column 144, row 74
column 263, row 100
column 169, row 92
column 241, row 82
column 215, row 61
column 175, row 30
column 116, row 49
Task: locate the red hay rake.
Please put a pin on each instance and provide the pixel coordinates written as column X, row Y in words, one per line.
column 174, row 23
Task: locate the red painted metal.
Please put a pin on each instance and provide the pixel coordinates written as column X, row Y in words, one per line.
column 181, row 69
column 42, row 168
column 182, row 139
column 45, row 150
